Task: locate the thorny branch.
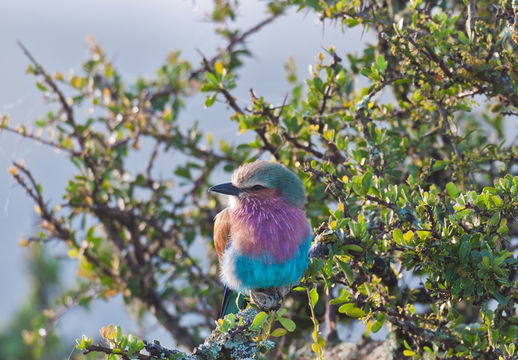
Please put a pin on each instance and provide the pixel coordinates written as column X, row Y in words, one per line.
column 234, row 41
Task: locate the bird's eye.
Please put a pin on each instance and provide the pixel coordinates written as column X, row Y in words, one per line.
column 257, row 187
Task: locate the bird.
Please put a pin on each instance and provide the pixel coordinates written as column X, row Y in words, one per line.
column 263, row 237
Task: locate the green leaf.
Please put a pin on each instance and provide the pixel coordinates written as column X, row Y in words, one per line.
column 337, row 301
column 318, row 83
column 210, row 100
column 408, row 237
column 83, row 342
column 366, row 181
column 351, row 22
column 365, row 72
column 503, row 229
column 313, row 295
column 381, row 64
column 350, row 310
column 494, row 219
column 464, row 251
column 348, row 271
column 281, row 312
column 353, row 247
column 212, row 79
column 493, row 336
column 463, row 38
column 288, row 324
column 452, row 189
column 124, row 342
column 316, row 349
column 500, row 298
column 485, row 261
column 278, row 332
column 398, row 236
column 41, row 86
column 423, row 235
column 259, row 320
column 377, row 326
column 119, row 334
column 497, row 200
column 408, row 353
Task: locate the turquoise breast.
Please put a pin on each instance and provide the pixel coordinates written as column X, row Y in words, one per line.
column 255, row 272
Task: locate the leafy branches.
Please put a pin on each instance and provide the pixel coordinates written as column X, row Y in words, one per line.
column 412, row 188
column 123, row 224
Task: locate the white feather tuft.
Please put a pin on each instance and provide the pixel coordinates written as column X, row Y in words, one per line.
column 228, row 269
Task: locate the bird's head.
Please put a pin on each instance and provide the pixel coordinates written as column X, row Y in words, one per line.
column 262, row 179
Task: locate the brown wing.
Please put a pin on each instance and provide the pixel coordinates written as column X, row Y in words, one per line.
column 221, row 231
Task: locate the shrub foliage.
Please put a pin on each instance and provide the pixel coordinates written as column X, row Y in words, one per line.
column 412, row 188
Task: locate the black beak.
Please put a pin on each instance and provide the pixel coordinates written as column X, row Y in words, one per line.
column 226, row 188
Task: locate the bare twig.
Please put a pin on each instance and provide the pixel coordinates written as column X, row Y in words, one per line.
column 168, row 89
column 40, row 140
column 48, row 80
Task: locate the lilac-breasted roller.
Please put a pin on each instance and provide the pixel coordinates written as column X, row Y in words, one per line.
column 262, row 239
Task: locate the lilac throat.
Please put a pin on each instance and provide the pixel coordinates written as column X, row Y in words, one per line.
column 268, row 228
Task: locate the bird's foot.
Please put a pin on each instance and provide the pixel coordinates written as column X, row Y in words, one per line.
column 270, row 298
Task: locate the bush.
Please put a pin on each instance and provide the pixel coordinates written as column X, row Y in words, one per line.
column 408, row 178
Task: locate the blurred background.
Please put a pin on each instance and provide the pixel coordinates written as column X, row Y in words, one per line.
column 137, row 36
